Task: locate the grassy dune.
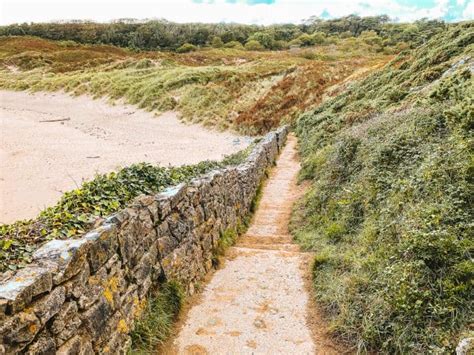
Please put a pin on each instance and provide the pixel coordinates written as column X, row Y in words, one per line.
column 390, row 209
column 226, row 88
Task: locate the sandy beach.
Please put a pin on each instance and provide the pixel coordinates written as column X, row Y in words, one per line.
column 51, row 142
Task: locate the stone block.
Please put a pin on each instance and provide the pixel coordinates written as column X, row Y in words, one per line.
column 44, row 345
column 95, row 318
column 104, row 244
column 50, row 304
column 18, row 331
column 78, row 345
column 66, row 323
column 69, row 255
column 19, row 290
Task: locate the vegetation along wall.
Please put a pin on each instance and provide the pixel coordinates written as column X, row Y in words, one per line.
column 82, row 295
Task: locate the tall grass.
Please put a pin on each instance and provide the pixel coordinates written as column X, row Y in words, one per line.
column 224, row 88
column 156, row 322
column 390, row 214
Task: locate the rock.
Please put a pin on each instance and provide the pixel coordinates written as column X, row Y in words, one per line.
column 49, row 305
column 24, row 285
column 465, row 346
column 18, row 331
column 44, row 345
column 76, row 285
column 89, row 293
column 104, row 244
column 66, row 323
column 166, row 245
column 69, row 255
column 173, row 194
column 95, row 318
column 76, row 346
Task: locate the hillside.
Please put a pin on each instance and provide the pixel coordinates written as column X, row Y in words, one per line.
column 390, row 209
column 249, row 91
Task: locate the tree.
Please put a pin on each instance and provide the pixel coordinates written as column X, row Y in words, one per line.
column 264, row 38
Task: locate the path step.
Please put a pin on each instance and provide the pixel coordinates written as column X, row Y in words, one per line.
column 265, row 239
column 284, row 247
column 257, row 302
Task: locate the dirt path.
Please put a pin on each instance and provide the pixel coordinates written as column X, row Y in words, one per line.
column 258, row 303
column 51, row 142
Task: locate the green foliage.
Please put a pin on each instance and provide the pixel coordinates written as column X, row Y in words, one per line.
column 234, row 44
column 250, row 91
column 162, row 34
column 390, row 210
column 253, row 45
column 265, row 39
column 78, row 210
column 155, row 324
column 217, row 42
column 186, row 48
column 305, row 39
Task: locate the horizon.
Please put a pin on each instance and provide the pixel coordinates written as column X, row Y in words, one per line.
column 251, row 12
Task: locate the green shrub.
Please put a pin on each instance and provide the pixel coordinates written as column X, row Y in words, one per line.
column 234, row 44
column 306, row 39
column 186, row 48
column 296, row 43
column 217, row 42
column 318, row 38
column 253, row 45
column 390, row 209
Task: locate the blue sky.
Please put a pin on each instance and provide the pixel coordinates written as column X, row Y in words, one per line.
column 242, row 11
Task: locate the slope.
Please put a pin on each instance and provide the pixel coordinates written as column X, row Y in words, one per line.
column 390, row 209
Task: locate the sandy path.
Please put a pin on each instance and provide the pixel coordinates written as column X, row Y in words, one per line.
column 258, row 303
column 41, row 160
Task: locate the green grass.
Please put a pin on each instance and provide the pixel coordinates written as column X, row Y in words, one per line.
column 390, row 209
column 155, row 324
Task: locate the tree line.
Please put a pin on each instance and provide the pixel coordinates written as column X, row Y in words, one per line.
column 166, row 35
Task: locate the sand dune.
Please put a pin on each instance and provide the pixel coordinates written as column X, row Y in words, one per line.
column 51, row 142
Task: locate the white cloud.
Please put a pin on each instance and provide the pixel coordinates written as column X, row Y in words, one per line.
column 468, row 13
column 282, row 11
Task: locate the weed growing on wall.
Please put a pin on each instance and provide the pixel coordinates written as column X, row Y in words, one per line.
column 78, row 210
column 156, row 322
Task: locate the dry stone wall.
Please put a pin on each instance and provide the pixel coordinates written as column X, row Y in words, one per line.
column 81, row 296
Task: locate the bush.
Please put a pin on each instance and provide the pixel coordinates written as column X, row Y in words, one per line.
column 306, row 39
column 318, row 38
column 67, row 44
column 253, row 45
column 264, row 38
column 186, row 48
column 217, row 42
column 234, row 44
column 390, row 208
column 296, row 43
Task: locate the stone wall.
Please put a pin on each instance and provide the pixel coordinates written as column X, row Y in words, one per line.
column 80, row 296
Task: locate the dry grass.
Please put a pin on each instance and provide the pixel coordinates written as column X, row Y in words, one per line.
column 225, row 88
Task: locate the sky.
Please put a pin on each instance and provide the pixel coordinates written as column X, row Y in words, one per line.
column 242, row 11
